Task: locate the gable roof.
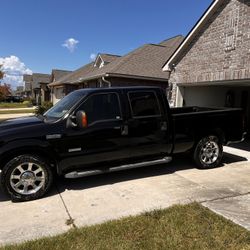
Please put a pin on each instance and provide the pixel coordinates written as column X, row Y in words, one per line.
column 144, row 62
column 197, row 27
column 56, row 74
column 105, row 58
column 27, row 78
column 76, row 76
column 38, row 78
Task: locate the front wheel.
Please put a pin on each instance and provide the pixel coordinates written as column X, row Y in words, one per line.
column 208, row 152
column 26, row 177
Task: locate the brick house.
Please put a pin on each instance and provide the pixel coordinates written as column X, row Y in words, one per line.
column 212, row 65
column 56, row 74
column 27, row 79
column 141, row 66
column 32, row 86
column 39, row 80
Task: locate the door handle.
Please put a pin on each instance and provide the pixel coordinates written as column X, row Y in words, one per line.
column 164, row 126
column 124, row 130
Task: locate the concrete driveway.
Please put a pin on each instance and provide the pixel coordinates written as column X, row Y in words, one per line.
column 90, row 200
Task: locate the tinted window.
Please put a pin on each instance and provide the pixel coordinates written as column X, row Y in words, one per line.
column 144, row 104
column 64, row 105
column 102, row 107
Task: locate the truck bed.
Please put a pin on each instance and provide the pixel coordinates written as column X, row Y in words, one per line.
column 190, row 123
column 194, row 109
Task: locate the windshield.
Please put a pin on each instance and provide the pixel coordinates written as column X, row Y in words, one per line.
column 64, row 105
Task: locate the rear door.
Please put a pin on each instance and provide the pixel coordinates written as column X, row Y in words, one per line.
column 147, row 125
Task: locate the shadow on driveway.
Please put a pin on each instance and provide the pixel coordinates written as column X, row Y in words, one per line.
column 180, row 162
column 245, row 145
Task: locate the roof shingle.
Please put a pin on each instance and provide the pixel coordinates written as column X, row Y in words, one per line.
column 146, row 61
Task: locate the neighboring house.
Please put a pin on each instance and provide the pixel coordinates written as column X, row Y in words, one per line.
column 212, row 65
column 32, row 86
column 39, row 80
column 72, row 81
column 27, row 85
column 139, row 67
column 19, row 91
column 53, row 93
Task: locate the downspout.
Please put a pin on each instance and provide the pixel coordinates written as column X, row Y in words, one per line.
column 108, row 82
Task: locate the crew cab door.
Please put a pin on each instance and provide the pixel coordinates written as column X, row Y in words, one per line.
column 101, row 140
column 147, row 125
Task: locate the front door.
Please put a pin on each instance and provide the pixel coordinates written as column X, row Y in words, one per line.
column 102, row 141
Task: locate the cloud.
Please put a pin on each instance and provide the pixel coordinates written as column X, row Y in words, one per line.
column 92, row 57
column 13, row 69
column 70, row 44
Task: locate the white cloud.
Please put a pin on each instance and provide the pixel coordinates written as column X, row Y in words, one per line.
column 70, row 44
column 13, row 69
column 92, row 57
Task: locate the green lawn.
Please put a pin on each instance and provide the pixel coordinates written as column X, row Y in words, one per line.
column 179, row 227
column 16, row 111
column 7, row 105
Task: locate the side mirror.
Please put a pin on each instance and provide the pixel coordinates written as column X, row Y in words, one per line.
column 81, row 119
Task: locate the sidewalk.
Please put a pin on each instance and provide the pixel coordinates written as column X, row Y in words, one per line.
column 13, row 109
column 10, row 116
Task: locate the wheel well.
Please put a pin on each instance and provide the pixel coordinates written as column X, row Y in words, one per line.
column 216, row 132
column 9, row 155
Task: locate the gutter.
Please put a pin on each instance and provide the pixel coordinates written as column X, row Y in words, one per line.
column 138, row 77
column 123, row 76
column 108, row 82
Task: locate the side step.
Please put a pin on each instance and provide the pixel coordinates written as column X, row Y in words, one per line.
column 75, row 174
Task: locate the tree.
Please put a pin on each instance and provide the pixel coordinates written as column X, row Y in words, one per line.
column 5, row 90
column 1, row 73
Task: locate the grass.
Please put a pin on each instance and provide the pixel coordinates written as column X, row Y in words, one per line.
column 179, row 227
column 14, row 105
column 16, row 111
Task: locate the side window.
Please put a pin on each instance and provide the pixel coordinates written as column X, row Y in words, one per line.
column 144, row 104
column 101, row 107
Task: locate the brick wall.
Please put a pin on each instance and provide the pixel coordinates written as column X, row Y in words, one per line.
column 220, row 51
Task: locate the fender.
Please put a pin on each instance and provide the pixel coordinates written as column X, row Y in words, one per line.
column 29, row 145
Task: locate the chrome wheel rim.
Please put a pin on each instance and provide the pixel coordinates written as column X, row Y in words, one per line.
column 209, row 152
column 27, row 178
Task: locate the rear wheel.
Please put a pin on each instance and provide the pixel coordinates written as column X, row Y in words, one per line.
column 208, row 152
column 26, row 177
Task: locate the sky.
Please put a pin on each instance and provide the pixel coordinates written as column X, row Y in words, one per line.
column 41, row 35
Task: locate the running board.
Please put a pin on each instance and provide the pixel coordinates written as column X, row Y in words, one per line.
column 75, row 174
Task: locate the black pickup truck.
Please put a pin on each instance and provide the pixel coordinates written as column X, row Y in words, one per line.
column 95, row 131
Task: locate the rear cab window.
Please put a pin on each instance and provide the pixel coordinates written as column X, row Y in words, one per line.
column 144, row 104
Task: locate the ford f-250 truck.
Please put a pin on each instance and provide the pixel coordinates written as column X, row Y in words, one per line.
column 95, row 131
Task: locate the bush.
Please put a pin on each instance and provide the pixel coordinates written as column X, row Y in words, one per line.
column 41, row 109
column 27, row 103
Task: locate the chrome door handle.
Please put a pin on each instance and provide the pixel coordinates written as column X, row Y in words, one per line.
column 124, row 130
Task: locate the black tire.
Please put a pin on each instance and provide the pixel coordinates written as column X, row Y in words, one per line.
column 26, row 177
column 208, row 152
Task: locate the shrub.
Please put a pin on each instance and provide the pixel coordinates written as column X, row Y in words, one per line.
column 27, row 103
column 41, row 109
